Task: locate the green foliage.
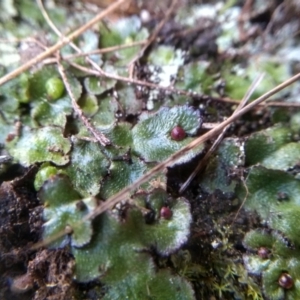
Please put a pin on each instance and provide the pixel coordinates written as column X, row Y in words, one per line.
column 124, row 31
column 164, row 63
column 116, row 166
column 118, row 247
column 54, row 88
column 295, row 123
column 45, row 113
column 122, row 174
column 43, row 91
column 12, row 95
column 58, row 190
column 220, row 170
column 167, row 234
column 13, row 92
column 286, row 219
column 121, row 136
column 5, row 128
column 273, row 193
column 255, row 239
column 109, row 247
column 40, row 145
column 272, row 148
column 97, row 86
column 195, row 77
column 128, row 101
column 45, row 172
column 89, row 104
column 88, row 165
column 269, row 190
column 112, row 248
column 152, row 139
column 281, row 259
column 38, row 82
column 65, row 212
column 105, row 118
column 239, row 78
column 164, row 56
column 164, row 286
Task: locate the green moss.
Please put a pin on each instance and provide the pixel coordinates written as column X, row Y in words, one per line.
column 273, row 148
column 45, row 172
column 265, row 188
column 40, row 145
column 121, row 174
column 46, row 82
column 195, row 77
column 281, row 259
column 88, row 166
column 117, row 248
column 65, row 211
column 152, row 135
column 124, row 31
column 54, row 88
column 97, row 86
column 221, row 169
column 89, row 104
column 128, row 248
column 45, row 113
column 273, row 193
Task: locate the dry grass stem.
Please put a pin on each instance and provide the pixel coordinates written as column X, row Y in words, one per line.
column 97, row 51
column 100, row 137
column 61, row 43
column 105, row 50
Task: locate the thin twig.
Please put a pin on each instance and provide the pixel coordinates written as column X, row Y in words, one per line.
column 60, row 43
column 100, row 137
column 105, row 50
column 202, row 164
column 97, row 51
column 282, row 104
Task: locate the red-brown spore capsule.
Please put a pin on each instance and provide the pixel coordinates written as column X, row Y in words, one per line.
column 263, row 252
column 178, row 133
column 165, row 212
column 10, row 137
column 286, row 281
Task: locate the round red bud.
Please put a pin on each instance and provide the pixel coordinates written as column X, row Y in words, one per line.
column 178, row 133
column 286, row 281
column 263, row 252
column 165, row 213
